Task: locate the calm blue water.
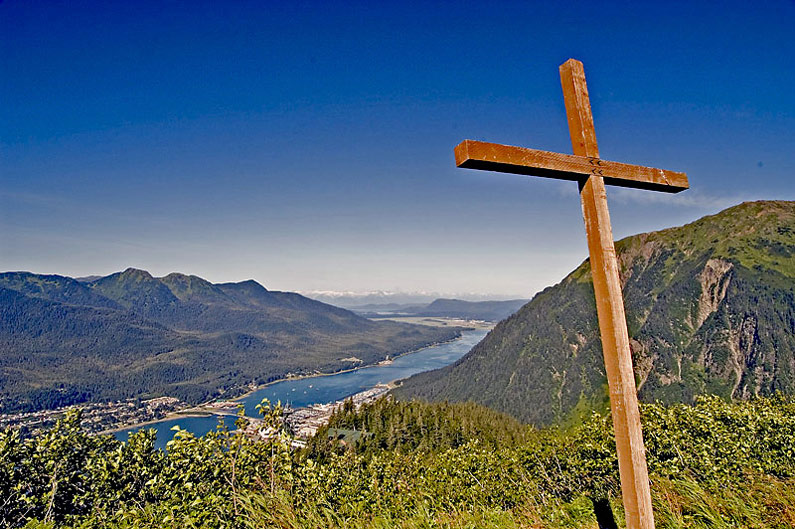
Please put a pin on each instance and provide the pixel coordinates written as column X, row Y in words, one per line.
column 197, row 425
column 324, row 389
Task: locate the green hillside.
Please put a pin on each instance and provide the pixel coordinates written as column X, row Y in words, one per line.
column 132, row 335
column 710, row 309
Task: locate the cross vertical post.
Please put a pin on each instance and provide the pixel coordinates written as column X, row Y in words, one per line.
column 592, row 174
column 635, row 490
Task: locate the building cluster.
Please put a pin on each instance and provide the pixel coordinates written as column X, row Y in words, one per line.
column 305, row 422
column 96, row 416
column 302, row 423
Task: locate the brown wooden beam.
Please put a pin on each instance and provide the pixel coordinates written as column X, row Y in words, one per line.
column 473, row 154
column 634, row 474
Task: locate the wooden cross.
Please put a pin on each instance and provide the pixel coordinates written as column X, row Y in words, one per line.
column 592, row 173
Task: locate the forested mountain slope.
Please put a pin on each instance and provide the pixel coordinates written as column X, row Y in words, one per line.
column 710, row 309
column 129, row 334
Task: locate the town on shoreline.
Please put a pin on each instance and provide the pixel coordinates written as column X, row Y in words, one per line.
column 110, row 417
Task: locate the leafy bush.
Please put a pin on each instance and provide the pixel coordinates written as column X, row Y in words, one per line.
column 713, row 464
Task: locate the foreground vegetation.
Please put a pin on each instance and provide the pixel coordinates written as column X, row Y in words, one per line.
column 714, row 464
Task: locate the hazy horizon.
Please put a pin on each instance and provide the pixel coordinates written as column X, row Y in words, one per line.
column 386, row 294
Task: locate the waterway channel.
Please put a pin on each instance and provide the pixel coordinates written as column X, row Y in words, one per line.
column 324, row 389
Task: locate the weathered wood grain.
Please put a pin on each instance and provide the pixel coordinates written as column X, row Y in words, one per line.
column 471, row 154
column 632, row 468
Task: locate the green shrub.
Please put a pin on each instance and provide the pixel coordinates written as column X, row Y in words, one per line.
column 713, row 464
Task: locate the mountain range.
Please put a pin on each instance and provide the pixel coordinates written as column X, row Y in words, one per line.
column 710, row 309
column 129, row 334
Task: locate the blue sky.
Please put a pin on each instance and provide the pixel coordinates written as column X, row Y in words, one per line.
column 309, row 145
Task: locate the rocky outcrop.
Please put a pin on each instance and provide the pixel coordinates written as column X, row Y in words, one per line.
column 714, row 281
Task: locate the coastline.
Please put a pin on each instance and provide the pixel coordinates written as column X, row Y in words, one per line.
column 200, row 410
column 169, row 416
column 332, row 373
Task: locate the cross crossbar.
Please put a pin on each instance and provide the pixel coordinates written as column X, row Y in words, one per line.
column 471, row 154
